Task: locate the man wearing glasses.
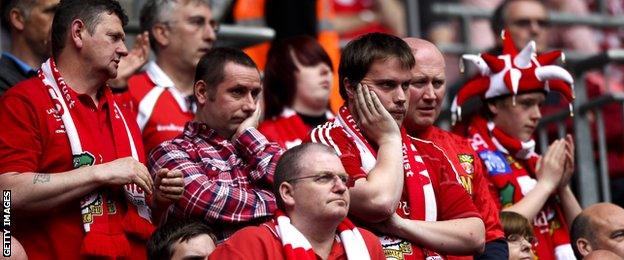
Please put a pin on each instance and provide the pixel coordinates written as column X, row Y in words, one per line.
column 227, row 164
column 311, row 223
column 180, row 32
column 526, row 20
column 401, row 185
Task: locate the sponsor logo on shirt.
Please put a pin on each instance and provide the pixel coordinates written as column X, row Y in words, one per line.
column 395, row 248
column 170, row 127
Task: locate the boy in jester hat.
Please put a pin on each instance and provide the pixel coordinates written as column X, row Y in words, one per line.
column 514, row 86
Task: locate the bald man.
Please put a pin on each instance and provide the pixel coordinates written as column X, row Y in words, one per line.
column 426, row 96
column 598, row 227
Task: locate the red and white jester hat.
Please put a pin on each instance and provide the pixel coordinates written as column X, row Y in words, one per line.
column 514, row 72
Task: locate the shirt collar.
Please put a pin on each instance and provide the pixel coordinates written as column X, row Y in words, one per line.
column 158, row 76
column 25, row 68
column 194, row 128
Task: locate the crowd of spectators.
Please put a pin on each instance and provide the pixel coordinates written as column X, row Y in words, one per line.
column 294, row 149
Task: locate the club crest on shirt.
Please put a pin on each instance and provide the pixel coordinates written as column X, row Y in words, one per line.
column 467, row 162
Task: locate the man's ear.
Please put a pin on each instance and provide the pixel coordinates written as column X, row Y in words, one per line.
column 77, row 32
column 160, row 34
column 16, row 19
column 584, row 247
column 493, row 106
column 286, row 192
column 200, row 89
column 349, row 88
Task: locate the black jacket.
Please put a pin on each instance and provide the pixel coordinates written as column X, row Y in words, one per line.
column 10, row 74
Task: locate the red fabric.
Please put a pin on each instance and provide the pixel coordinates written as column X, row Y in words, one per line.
column 286, row 131
column 509, row 177
column 452, row 200
column 106, row 229
column 262, row 242
column 166, row 121
column 415, row 181
column 472, row 174
column 32, row 140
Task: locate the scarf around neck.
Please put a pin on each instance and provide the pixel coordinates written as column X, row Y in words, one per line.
column 418, row 189
column 297, row 247
column 105, row 230
column 513, row 180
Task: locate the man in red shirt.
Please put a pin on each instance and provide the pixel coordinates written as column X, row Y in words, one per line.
column 426, row 97
column 311, row 223
column 401, row 185
column 69, row 156
column 180, row 32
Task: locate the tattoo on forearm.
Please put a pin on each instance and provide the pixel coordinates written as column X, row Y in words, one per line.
column 41, row 178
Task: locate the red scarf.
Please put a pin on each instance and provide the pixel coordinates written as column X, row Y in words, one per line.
column 297, row 247
column 418, row 189
column 105, row 229
column 514, row 176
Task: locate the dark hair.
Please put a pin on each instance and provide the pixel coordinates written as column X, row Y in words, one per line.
column 211, row 66
column 160, row 244
column 498, row 18
column 515, row 224
column 359, row 54
column 24, row 6
column 289, row 166
column 280, row 83
column 88, row 12
column 581, row 228
column 153, row 12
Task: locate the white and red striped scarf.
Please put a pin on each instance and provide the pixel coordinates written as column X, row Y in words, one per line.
column 420, row 194
column 418, row 189
column 553, row 227
column 104, row 235
column 297, row 247
column 505, row 143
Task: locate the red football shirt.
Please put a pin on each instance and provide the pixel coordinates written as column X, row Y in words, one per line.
column 162, row 111
column 33, row 140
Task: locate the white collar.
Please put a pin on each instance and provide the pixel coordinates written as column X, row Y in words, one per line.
column 158, row 76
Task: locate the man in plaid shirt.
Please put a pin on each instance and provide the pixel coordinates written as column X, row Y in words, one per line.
column 227, row 164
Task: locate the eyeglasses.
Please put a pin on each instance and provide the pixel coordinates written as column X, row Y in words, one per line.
column 199, row 22
column 324, row 178
column 526, row 23
column 515, row 238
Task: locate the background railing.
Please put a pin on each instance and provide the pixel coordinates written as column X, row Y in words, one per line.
column 592, row 178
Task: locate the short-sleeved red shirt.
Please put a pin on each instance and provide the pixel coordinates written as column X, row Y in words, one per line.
column 473, row 176
column 452, row 200
column 33, row 140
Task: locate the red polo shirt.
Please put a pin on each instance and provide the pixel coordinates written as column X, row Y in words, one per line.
column 33, row 140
